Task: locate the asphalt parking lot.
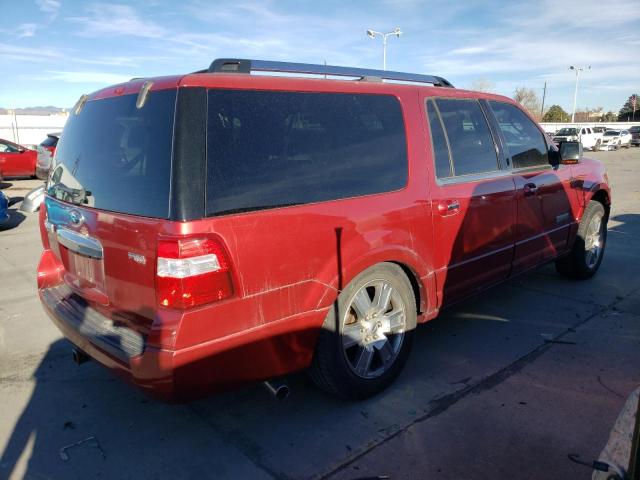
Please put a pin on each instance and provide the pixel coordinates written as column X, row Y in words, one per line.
column 504, row 385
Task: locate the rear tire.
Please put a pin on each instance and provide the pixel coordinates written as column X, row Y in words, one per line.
column 366, row 337
column 588, row 249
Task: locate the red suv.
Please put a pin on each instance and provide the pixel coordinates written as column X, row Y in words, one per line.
column 211, row 229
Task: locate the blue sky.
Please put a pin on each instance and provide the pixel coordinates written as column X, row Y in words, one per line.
column 59, row 49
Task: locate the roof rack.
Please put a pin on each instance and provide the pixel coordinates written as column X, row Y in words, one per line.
column 239, row 65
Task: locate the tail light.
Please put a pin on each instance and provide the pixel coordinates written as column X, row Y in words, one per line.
column 192, row 272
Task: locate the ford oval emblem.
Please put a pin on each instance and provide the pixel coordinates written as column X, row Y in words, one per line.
column 76, row 218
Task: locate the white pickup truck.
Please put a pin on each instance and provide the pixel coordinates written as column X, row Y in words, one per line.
column 589, row 138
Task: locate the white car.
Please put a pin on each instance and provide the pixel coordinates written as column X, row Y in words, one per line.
column 614, row 139
column 589, row 138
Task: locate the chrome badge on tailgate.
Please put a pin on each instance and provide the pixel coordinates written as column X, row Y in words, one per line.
column 136, row 257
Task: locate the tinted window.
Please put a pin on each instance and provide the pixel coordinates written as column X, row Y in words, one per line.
column 525, row 141
column 439, row 142
column 50, row 141
column 470, row 140
column 113, row 156
column 266, row 149
column 8, row 148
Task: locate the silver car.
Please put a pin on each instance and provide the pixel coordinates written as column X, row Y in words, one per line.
column 45, row 155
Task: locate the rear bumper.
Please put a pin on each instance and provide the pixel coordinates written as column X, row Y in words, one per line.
column 192, row 372
column 42, row 173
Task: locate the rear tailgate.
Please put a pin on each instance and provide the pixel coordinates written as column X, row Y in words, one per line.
column 107, row 200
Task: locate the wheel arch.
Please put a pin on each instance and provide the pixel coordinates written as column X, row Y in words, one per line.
column 602, row 196
column 412, row 266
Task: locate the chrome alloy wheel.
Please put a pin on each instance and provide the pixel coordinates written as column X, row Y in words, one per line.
column 594, row 241
column 373, row 328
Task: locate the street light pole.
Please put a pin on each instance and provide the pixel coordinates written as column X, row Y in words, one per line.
column 374, row 34
column 575, row 92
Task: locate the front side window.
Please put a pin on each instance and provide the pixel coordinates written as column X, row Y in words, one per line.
column 471, row 144
column 270, row 149
column 525, row 141
column 7, row 148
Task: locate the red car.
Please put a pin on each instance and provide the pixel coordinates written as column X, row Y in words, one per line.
column 217, row 228
column 16, row 160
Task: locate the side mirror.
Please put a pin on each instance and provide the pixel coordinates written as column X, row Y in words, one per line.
column 570, row 152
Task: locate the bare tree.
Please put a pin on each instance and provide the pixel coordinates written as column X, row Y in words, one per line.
column 482, row 85
column 529, row 99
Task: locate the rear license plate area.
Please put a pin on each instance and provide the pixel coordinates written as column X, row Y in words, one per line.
column 86, row 270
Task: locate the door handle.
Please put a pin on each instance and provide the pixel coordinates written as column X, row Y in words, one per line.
column 530, row 189
column 449, row 207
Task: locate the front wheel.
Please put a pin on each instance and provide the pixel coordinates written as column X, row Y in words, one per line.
column 366, row 337
column 587, row 252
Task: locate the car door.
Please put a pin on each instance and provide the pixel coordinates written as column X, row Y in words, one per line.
column 625, row 137
column 545, row 198
column 473, row 200
column 14, row 160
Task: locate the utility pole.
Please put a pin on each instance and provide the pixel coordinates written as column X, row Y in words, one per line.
column 544, row 95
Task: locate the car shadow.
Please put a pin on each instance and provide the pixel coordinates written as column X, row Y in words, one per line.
column 4, row 185
column 15, row 219
column 14, row 200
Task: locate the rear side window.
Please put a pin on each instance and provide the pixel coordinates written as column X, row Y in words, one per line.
column 114, row 156
column 439, row 142
column 472, row 148
column 525, row 141
column 269, row 149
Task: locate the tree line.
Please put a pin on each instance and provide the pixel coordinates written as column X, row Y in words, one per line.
column 530, row 100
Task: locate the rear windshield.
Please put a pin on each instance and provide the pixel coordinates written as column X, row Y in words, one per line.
column 270, row 149
column 50, row 141
column 114, row 156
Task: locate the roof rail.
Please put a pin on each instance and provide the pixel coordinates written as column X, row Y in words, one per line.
column 239, row 65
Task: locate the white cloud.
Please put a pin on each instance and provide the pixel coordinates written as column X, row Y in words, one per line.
column 49, row 6
column 27, row 30
column 107, row 20
column 103, row 78
column 29, row 54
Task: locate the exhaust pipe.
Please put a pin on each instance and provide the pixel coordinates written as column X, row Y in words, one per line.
column 79, row 357
column 277, row 387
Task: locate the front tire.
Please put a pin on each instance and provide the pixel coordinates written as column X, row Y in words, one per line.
column 366, row 337
column 588, row 249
